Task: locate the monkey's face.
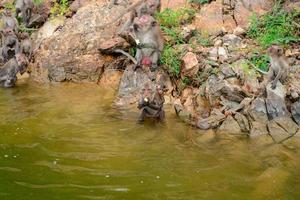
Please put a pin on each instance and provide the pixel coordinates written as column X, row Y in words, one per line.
column 144, row 23
column 152, row 6
column 275, row 51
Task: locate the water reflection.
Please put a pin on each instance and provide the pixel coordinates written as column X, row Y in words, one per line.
column 68, row 142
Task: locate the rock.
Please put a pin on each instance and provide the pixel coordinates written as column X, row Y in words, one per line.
column 213, row 54
column 221, row 14
column 111, row 45
column 110, row 78
column 202, row 107
column 232, row 40
column 239, row 31
column 282, row 129
column 222, row 54
column 183, row 114
column 47, row 30
column 132, row 82
column 210, row 18
column 75, row 5
column 190, row 64
column 71, row 54
column 230, row 126
column 243, row 10
column 4, row 2
column 258, row 111
column 232, row 92
column 251, row 85
column 258, row 129
column 189, row 105
column 188, row 32
column 218, row 43
column 275, row 101
column 295, row 110
column 40, row 14
column 213, row 121
column 227, row 70
column 243, row 122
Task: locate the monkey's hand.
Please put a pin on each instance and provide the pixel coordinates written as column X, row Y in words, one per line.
column 273, row 85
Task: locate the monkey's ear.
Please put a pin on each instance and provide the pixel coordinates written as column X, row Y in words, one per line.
column 154, row 23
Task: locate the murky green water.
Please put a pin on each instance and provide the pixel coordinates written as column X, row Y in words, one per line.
column 68, row 142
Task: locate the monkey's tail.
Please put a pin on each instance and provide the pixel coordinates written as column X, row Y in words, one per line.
column 126, row 54
column 257, row 69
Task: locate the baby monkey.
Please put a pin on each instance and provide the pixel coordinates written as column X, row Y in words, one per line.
column 278, row 70
column 151, row 105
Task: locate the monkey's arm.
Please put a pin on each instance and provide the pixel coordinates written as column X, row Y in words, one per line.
column 130, row 8
column 278, row 76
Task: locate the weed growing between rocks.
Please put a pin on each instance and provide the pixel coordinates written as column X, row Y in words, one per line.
column 277, row 27
column 60, row 8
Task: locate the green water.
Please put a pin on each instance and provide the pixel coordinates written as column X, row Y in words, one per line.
column 69, row 142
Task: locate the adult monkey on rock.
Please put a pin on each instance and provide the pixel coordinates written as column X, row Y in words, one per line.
column 278, row 70
column 25, row 8
column 9, row 71
column 149, row 41
column 148, row 7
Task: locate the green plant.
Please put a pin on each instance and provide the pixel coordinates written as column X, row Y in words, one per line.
column 9, row 6
column 170, row 58
column 261, row 61
column 174, row 18
column 173, row 34
column 200, row 1
column 186, row 80
column 60, row 8
column 276, row 27
column 37, row 2
column 201, row 38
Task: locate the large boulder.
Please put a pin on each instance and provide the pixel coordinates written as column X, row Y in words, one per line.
column 225, row 14
column 295, row 109
column 282, row 129
column 275, row 102
column 71, row 53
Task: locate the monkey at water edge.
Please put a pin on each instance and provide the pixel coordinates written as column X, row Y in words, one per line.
column 10, row 45
column 278, row 70
column 25, row 8
column 149, row 41
column 151, row 105
column 26, row 45
column 9, row 71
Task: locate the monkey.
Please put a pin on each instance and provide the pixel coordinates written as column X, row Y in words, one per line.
column 151, row 105
column 26, row 45
column 127, row 10
column 148, row 7
column 25, row 8
column 8, row 73
column 8, row 21
column 11, row 44
column 1, row 57
column 278, row 70
column 149, row 41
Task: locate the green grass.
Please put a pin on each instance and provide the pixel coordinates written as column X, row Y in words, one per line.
column 276, row 27
column 37, row 2
column 170, row 58
column 60, row 8
column 202, row 39
column 174, row 18
column 260, row 61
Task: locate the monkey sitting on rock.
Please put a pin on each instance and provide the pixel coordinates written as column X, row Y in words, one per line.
column 278, row 70
column 149, row 41
column 9, row 71
column 25, row 8
column 151, row 105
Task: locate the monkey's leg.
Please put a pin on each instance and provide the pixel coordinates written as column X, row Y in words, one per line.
column 138, row 57
column 161, row 115
column 154, row 61
column 274, row 82
column 142, row 117
column 27, row 16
